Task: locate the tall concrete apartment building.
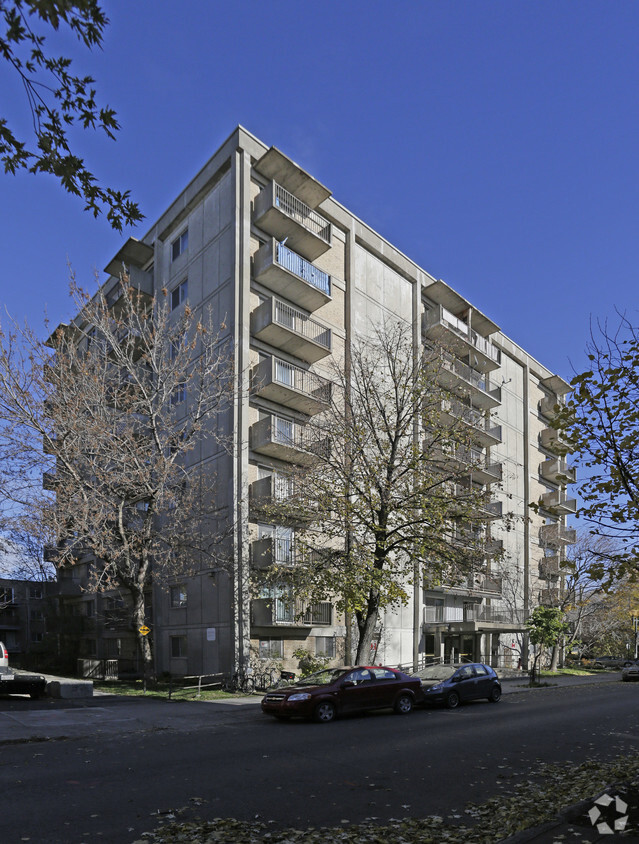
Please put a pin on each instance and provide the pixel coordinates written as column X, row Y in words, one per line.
column 294, row 277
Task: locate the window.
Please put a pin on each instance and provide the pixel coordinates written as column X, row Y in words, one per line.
column 271, row 649
column 36, row 615
column 179, row 245
column 6, row 595
column 35, row 592
column 179, row 394
column 325, row 646
column 178, row 596
column 178, row 647
column 36, row 637
column 179, row 294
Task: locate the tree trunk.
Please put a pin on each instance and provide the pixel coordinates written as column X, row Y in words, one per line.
column 144, row 644
column 366, row 625
column 555, row 657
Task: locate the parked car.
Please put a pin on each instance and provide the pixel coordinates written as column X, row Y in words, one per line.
column 452, row 685
column 631, row 672
column 19, row 682
column 612, row 661
column 337, row 691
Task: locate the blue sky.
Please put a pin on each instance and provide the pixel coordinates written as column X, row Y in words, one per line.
column 495, row 143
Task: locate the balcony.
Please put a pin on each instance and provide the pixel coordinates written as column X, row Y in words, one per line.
column 474, row 460
column 142, row 291
column 549, row 406
column 556, row 501
column 275, row 496
column 492, row 510
column 485, row 433
column 485, row 584
column 550, row 567
column 554, row 536
column 290, row 330
column 275, row 165
column 280, row 612
column 511, row 619
column 283, row 215
column 550, row 597
column 273, row 550
column 291, row 276
column 441, row 325
column 553, row 441
column 283, row 439
column 290, row 385
column 459, row 377
column 558, row 471
column 10, row 619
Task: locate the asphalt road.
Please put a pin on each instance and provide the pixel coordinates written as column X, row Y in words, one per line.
column 111, row 784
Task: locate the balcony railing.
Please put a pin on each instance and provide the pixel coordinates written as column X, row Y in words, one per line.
column 557, row 500
column 486, row 433
column 298, row 210
column 302, row 268
column 473, row 378
column 548, row 406
column 556, row 535
column 290, row 385
column 441, row 318
column 291, row 330
column 550, row 567
column 290, row 612
column 558, row 471
column 491, row 615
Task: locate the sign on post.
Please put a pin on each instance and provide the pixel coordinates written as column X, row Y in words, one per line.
column 144, row 630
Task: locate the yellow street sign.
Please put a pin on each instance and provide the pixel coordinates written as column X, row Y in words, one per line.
column 144, row 630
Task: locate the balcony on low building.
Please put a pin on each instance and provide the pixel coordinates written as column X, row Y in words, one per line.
column 556, row 501
column 290, row 385
column 275, row 496
column 289, row 275
column 558, row 471
column 290, row 330
column 554, row 536
column 442, row 325
column 283, row 215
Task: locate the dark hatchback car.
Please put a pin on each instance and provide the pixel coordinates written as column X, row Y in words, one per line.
column 452, row 685
column 337, row 691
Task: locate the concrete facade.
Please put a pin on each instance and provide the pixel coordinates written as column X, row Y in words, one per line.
column 293, row 276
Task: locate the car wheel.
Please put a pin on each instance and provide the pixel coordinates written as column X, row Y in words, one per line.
column 495, row 695
column 324, row 712
column 404, row 704
column 452, row 701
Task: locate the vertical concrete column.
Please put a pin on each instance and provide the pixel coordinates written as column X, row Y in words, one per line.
column 417, row 584
column 349, row 275
column 241, row 169
column 526, row 561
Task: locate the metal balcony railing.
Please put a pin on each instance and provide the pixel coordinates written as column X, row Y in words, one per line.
column 305, row 216
column 471, row 376
column 294, row 263
column 557, row 535
column 302, row 380
column 448, row 320
column 301, row 324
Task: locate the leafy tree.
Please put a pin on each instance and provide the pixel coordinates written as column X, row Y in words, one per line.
column 121, row 407
column 545, row 627
column 386, row 504
column 58, row 100
column 601, row 425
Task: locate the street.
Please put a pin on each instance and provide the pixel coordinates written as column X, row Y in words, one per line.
column 234, row 762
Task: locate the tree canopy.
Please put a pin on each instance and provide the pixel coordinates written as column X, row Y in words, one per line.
column 58, row 99
column 385, row 502
column 600, row 424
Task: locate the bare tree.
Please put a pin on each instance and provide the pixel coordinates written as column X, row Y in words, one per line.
column 114, row 419
column 386, row 499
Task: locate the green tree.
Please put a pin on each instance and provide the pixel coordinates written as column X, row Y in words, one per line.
column 600, row 424
column 58, row 100
column 545, row 627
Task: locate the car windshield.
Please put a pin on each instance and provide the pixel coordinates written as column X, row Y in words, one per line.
column 322, row 678
column 436, row 672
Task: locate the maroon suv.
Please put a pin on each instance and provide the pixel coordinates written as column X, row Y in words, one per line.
column 336, row 691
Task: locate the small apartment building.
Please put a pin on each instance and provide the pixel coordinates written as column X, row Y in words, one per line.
column 293, row 278
column 25, row 610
